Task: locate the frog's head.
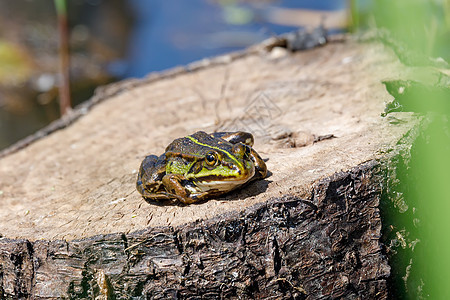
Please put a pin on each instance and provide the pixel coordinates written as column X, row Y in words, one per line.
column 210, row 164
column 224, row 168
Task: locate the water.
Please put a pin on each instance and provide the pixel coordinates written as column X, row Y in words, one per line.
column 172, row 32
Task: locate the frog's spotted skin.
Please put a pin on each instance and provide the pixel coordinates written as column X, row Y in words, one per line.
column 199, row 166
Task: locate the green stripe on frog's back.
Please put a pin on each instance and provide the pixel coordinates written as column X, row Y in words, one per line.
column 216, row 148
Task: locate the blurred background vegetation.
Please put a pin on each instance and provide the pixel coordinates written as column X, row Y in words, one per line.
column 116, row 39
column 416, row 198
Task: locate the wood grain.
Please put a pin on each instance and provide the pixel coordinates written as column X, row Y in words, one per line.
column 74, row 226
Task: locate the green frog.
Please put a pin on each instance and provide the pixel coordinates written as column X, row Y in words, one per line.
column 200, row 166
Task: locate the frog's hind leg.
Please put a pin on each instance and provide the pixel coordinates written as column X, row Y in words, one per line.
column 152, row 168
column 235, row 137
column 160, row 196
column 260, row 165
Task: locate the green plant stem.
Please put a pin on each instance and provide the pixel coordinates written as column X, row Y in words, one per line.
column 354, row 13
column 64, row 89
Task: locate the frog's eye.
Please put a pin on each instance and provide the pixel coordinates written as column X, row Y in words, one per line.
column 211, row 158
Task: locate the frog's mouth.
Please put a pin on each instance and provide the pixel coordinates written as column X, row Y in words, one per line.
column 221, row 183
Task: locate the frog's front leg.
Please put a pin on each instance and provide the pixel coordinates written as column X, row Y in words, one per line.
column 176, row 189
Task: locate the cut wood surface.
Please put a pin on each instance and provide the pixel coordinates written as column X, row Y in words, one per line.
column 71, row 213
column 80, row 181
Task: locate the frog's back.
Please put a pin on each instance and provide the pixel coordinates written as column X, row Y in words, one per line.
column 201, row 142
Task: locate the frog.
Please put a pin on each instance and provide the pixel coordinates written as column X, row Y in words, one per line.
column 200, row 166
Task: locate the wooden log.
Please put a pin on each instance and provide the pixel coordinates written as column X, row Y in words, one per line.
column 74, row 226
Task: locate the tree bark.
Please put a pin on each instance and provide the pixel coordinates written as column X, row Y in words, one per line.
column 326, row 246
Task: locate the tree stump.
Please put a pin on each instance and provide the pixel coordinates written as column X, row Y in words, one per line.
column 73, row 225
